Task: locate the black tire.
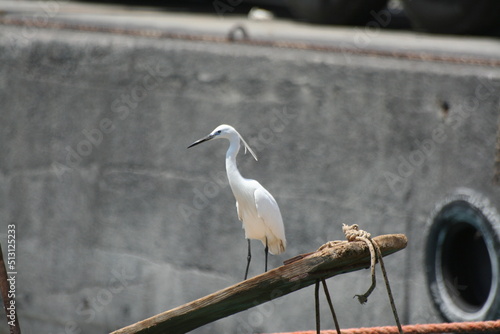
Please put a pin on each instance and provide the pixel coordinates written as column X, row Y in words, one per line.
column 454, row 16
column 341, row 12
column 462, row 258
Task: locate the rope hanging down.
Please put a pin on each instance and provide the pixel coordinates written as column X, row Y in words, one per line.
column 353, row 233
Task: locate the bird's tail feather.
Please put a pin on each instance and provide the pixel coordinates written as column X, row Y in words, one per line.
column 276, row 246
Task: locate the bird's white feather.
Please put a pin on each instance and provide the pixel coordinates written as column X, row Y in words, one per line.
column 248, row 147
column 256, row 207
column 238, row 211
column 269, row 212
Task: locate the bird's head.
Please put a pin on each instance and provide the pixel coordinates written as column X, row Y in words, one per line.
column 227, row 132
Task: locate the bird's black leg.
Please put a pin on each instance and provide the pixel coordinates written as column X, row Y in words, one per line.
column 249, row 257
column 267, row 251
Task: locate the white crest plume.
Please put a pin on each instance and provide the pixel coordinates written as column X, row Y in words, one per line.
column 248, row 147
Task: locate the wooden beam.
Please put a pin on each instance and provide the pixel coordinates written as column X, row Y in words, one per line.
column 8, row 301
column 297, row 274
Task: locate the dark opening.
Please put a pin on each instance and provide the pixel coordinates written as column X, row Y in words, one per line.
column 466, row 266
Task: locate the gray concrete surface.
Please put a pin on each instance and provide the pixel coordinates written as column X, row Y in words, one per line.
column 116, row 221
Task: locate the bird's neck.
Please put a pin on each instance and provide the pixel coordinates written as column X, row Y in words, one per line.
column 233, row 174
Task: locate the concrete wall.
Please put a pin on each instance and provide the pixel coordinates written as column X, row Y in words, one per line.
column 117, row 221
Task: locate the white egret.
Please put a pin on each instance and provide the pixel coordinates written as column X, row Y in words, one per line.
column 256, row 207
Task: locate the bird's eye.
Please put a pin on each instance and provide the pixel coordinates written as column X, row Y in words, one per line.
column 219, row 132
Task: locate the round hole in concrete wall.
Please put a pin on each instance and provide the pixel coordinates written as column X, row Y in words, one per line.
column 462, row 258
column 466, row 265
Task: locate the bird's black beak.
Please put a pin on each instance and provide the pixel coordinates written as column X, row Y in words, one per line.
column 199, row 141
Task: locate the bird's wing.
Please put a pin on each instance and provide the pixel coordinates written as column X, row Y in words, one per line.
column 268, row 210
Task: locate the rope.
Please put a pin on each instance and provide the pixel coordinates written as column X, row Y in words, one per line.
column 337, row 326
column 316, row 307
column 353, row 233
column 388, row 288
column 158, row 33
column 454, row 327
